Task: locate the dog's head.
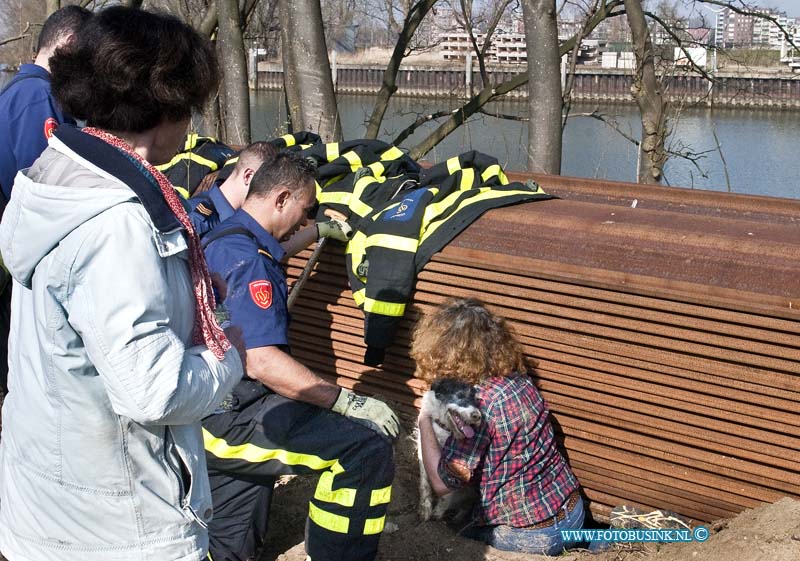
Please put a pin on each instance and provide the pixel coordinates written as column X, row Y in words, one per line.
column 459, row 412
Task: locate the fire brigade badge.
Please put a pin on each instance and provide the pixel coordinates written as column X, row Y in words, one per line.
column 261, row 293
column 50, row 126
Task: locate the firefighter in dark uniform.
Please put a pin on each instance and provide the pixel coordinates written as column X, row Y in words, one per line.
column 282, row 418
column 208, row 209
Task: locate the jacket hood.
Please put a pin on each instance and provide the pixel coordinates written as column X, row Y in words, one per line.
column 75, row 179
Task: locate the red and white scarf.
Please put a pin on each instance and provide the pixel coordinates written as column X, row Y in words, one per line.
column 206, row 329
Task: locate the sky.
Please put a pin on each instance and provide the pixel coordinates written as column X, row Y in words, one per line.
column 791, row 7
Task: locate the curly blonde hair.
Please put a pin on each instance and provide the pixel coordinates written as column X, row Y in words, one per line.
column 464, row 340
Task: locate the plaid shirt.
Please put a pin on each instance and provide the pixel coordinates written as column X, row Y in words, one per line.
column 513, row 457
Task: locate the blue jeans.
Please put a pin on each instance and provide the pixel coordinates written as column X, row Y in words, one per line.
column 541, row 541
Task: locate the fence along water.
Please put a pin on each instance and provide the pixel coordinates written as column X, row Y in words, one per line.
column 592, row 84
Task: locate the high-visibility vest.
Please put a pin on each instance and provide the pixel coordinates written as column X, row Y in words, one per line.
column 402, row 216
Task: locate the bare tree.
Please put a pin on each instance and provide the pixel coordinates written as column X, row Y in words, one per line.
column 493, row 91
column 235, row 109
column 647, row 92
column 307, row 71
column 413, row 18
column 544, row 86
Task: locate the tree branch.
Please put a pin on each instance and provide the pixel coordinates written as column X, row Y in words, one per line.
column 18, row 37
column 389, row 85
column 209, row 23
column 489, row 92
column 409, row 130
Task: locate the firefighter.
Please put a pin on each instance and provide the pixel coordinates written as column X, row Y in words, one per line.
column 211, row 207
column 282, row 418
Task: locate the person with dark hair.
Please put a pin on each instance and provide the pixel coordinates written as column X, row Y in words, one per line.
column 28, row 117
column 282, row 418
column 528, row 492
column 116, row 351
column 28, row 112
column 211, row 207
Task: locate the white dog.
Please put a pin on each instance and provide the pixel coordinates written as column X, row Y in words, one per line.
column 453, row 408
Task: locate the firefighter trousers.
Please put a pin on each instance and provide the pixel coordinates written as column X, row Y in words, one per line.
column 273, row 436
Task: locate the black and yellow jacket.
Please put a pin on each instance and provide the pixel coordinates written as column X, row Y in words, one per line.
column 338, row 163
column 200, row 156
column 402, row 216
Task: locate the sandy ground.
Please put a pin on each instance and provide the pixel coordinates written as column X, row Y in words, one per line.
column 769, row 533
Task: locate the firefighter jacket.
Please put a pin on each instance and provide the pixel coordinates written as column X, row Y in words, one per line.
column 338, row 163
column 200, row 156
column 402, row 216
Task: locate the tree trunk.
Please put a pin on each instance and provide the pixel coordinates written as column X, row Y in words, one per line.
column 52, row 6
column 235, row 108
column 307, row 71
column 544, row 86
column 389, row 85
column 648, row 94
column 489, row 92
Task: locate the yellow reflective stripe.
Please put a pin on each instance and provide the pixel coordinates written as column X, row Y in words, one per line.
column 377, row 168
column 255, row 454
column 374, row 526
column 331, row 151
column 359, row 296
column 384, row 308
column 355, row 161
column 337, row 197
column 231, row 161
column 191, row 141
column 453, row 165
column 325, row 491
column 335, row 178
column 391, row 241
column 467, row 179
column 356, row 204
column 380, row 496
column 317, row 189
column 486, row 194
column 183, row 192
column 359, row 207
column 392, row 153
column 495, row 170
column 356, row 249
column 210, row 164
column 289, row 139
column 328, row 520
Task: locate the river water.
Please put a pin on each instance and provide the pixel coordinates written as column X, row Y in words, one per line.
column 760, row 148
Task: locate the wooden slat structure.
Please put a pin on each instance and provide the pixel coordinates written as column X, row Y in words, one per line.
column 664, row 324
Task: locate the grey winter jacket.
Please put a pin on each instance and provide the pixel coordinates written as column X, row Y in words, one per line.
column 101, row 456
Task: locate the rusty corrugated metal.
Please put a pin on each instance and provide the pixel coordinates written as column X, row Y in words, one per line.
column 664, row 323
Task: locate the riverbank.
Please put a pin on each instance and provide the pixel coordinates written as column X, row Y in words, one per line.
column 763, row 88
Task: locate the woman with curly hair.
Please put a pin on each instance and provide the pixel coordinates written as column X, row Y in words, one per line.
column 115, row 352
column 528, row 493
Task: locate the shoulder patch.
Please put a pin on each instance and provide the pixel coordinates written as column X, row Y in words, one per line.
column 50, row 126
column 261, row 293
